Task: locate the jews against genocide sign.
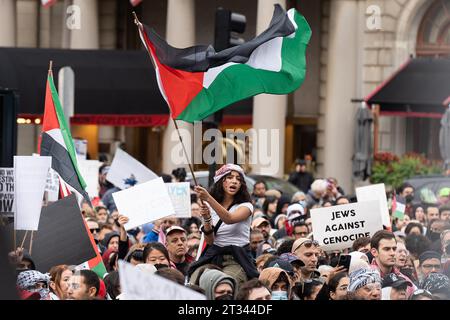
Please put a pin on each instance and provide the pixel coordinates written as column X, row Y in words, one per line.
column 180, row 196
column 7, row 206
column 337, row 227
column 137, row 284
column 62, row 237
column 376, row 192
column 30, row 176
column 144, row 203
column 89, row 172
column 126, row 171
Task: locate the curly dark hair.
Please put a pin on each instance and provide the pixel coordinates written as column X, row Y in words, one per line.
column 241, row 196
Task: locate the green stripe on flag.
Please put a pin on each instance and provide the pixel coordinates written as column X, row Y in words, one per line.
column 241, row 81
column 65, row 131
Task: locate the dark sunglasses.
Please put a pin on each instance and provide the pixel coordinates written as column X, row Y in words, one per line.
column 95, row 229
column 308, row 244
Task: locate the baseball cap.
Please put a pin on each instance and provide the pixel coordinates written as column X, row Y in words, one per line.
column 393, row 280
column 282, row 264
column 295, row 211
column 292, row 259
column 444, row 192
column 173, row 228
column 258, row 221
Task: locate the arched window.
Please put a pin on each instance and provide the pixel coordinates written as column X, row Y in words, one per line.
column 433, row 38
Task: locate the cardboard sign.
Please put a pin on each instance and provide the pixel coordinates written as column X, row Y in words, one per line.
column 144, row 203
column 376, row 192
column 126, row 171
column 62, row 237
column 89, row 172
column 30, row 175
column 180, row 195
column 7, row 206
column 337, row 227
column 52, row 185
column 136, row 284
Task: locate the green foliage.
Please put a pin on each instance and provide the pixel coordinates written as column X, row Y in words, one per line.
column 392, row 170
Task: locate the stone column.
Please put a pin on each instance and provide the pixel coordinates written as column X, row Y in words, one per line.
column 27, row 23
column 7, row 23
column 86, row 35
column 269, row 111
column 180, row 32
column 339, row 114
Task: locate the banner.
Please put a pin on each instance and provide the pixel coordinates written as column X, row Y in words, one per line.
column 62, row 236
column 30, row 176
column 7, row 206
column 180, row 195
column 136, row 284
column 335, row 228
column 144, row 203
column 89, row 172
column 376, row 192
column 52, row 186
column 126, row 171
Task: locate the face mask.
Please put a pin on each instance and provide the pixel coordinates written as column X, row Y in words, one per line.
column 302, row 203
column 225, row 297
column 434, row 236
column 279, row 295
column 409, row 198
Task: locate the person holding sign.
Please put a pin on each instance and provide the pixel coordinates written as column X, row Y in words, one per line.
column 227, row 214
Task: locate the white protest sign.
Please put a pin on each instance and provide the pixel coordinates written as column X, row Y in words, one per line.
column 335, row 228
column 30, row 175
column 146, row 202
column 137, row 284
column 376, row 192
column 7, row 206
column 89, row 172
column 52, row 185
column 180, row 196
column 126, row 171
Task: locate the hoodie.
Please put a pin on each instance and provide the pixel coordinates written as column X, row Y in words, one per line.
column 108, row 238
column 211, row 278
column 272, row 274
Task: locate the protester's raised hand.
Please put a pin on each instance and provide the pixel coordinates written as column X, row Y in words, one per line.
column 122, row 220
column 202, row 193
column 335, row 271
column 16, row 256
column 204, row 211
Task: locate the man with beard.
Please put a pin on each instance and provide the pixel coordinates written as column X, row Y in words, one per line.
column 263, row 225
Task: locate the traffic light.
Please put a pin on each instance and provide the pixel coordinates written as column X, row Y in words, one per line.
column 8, row 127
column 228, row 24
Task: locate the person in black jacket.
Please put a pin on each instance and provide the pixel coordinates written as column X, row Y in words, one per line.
column 300, row 177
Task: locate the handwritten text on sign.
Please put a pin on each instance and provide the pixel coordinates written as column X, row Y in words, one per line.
column 337, row 227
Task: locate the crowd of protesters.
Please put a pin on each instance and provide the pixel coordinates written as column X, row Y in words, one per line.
column 259, row 246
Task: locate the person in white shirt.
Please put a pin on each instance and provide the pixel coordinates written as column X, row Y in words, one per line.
column 227, row 214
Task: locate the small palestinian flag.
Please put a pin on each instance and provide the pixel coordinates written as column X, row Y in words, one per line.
column 398, row 209
column 56, row 141
column 198, row 81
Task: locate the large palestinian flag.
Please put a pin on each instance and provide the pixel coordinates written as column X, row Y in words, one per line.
column 56, row 141
column 198, row 81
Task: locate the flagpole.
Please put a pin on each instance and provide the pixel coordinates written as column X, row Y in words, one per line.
column 138, row 23
column 23, row 241
column 31, row 241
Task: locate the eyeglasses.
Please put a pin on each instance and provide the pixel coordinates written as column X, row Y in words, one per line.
column 308, row 244
column 432, row 266
column 94, row 230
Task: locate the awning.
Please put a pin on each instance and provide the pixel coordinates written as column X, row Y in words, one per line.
column 112, row 87
column 420, row 88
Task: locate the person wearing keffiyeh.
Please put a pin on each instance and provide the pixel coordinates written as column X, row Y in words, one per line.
column 34, row 281
column 365, row 284
column 438, row 284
